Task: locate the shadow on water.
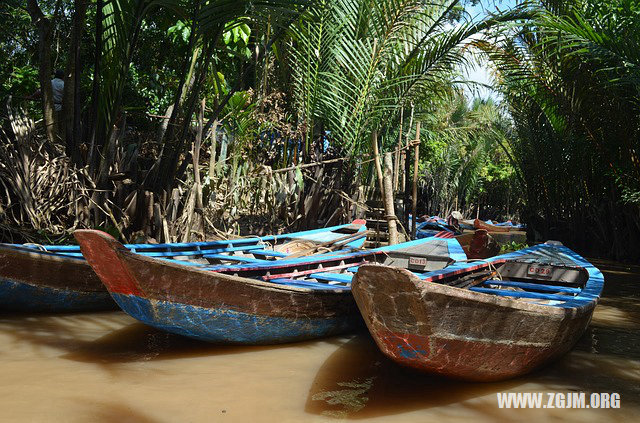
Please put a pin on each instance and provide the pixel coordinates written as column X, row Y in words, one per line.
column 357, row 381
column 139, row 342
column 125, row 340
column 107, row 412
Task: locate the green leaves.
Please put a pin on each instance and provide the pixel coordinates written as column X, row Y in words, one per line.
column 180, row 31
column 356, row 62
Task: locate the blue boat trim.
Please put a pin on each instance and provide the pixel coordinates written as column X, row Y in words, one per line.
column 18, row 296
column 230, row 326
column 148, row 249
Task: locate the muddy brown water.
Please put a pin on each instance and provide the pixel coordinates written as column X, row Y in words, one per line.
column 107, row 367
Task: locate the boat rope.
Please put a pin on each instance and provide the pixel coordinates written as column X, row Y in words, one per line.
column 495, row 270
column 37, row 246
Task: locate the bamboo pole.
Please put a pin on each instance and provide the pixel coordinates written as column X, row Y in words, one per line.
column 389, row 210
column 416, row 157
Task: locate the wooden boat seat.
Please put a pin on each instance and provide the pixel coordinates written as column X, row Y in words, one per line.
column 262, row 252
column 336, row 277
column 201, row 252
column 534, row 286
column 240, row 259
column 521, row 294
column 309, row 284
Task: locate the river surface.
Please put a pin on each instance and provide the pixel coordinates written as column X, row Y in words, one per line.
column 107, row 367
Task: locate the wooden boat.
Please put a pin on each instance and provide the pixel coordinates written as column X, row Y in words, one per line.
column 482, row 321
column 264, row 303
column 479, row 224
column 58, row 279
column 478, row 244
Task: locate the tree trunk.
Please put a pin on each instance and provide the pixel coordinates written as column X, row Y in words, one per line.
column 71, row 116
column 45, row 36
column 376, row 160
column 195, row 205
column 396, row 165
column 91, row 131
column 389, row 209
column 212, row 151
column 416, row 160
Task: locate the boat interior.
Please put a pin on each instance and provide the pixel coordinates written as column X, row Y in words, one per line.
column 546, row 283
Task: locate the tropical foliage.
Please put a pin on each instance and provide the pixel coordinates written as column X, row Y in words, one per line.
column 572, row 82
column 181, row 119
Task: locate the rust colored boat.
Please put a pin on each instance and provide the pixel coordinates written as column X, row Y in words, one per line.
column 263, row 303
column 40, row 281
column 488, row 320
column 479, row 224
column 56, row 278
column 478, row 244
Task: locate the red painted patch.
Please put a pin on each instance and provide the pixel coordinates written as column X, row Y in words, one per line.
column 101, row 251
column 359, row 222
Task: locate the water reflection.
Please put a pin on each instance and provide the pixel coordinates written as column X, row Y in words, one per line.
column 122, row 339
column 357, row 381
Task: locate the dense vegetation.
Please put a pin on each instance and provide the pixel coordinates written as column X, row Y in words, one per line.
column 185, row 119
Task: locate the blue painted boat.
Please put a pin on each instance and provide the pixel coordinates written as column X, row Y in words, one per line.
column 256, row 303
column 428, row 226
column 58, row 279
column 486, row 320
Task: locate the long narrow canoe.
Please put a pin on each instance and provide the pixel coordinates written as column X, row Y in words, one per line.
column 479, row 224
column 58, row 279
column 482, row 321
column 264, row 303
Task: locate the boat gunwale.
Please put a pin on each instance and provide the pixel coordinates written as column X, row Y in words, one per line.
column 585, row 300
column 65, row 250
column 129, row 255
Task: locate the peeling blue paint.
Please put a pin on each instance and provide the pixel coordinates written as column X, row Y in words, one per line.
column 410, row 353
column 230, row 326
column 19, row 296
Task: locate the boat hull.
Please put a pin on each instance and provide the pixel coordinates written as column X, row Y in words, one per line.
column 225, row 325
column 458, row 333
column 212, row 306
column 479, row 224
column 31, row 281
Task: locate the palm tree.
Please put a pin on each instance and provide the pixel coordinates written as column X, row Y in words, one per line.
column 357, row 63
column 572, row 80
